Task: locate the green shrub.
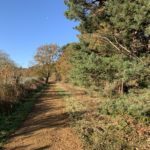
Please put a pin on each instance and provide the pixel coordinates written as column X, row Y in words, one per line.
column 135, row 105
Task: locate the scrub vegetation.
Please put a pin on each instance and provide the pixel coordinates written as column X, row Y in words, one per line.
column 111, row 63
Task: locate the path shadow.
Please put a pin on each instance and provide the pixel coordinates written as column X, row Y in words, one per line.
column 19, row 147
column 42, row 116
column 26, row 146
column 54, row 121
column 43, row 147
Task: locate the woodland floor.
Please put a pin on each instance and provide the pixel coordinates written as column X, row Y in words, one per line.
column 47, row 127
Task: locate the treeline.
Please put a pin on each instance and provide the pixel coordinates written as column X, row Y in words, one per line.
column 17, row 83
column 113, row 54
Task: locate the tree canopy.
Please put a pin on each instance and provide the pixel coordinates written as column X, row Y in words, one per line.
column 114, row 43
column 45, row 57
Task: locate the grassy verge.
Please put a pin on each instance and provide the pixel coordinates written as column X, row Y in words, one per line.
column 9, row 123
column 120, row 124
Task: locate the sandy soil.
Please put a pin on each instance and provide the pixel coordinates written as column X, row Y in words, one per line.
column 47, row 127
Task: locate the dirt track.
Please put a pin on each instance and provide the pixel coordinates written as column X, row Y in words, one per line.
column 47, row 127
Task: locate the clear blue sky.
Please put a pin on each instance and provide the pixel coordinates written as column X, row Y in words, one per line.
column 28, row 24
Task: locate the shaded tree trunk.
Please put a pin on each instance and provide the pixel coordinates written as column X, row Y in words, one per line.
column 47, row 78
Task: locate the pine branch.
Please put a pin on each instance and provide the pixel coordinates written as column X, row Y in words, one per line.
column 124, row 48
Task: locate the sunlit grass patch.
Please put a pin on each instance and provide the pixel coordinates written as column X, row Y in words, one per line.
column 75, row 109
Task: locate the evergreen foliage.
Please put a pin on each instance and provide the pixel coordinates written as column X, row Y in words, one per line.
column 113, row 53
